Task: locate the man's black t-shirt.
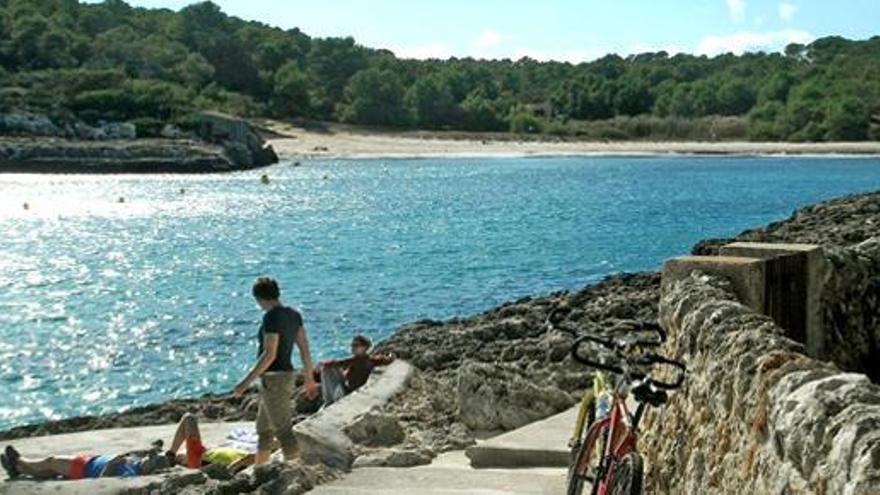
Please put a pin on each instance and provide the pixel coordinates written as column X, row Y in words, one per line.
column 285, row 322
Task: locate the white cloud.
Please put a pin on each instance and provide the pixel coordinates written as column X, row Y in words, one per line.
column 422, row 52
column 737, row 9
column 745, row 41
column 489, row 38
column 787, row 10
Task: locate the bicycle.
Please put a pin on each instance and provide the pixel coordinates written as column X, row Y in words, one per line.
column 605, row 439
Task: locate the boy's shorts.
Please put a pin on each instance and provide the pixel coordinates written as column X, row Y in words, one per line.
column 77, row 469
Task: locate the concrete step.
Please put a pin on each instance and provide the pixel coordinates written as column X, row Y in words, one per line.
column 540, row 444
column 449, row 474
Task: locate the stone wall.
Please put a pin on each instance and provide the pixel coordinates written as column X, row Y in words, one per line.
column 756, row 415
column 851, row 307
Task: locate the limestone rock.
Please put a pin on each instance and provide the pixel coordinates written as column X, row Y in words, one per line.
column 499, row 398
column 30, row 124
column 394, row 458
column 375, row 429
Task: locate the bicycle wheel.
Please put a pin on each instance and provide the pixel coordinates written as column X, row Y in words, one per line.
column 585, row 463
column 626, row 475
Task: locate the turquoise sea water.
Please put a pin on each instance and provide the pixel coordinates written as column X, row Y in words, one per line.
column 105, row 305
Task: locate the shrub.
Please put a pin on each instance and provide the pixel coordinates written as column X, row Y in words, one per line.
column 523, row 122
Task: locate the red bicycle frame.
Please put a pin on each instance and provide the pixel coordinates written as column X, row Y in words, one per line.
column 620, row 439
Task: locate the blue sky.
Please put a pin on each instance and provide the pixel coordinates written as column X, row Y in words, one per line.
column 571, row 30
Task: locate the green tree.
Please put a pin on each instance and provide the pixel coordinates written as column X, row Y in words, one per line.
column 291, row 91
column 479, row 113
column 765, row 122
column 431, row 102
column 522, row 121
column 848, row 119
column 735, row 97
column 375, row 97
column 331, row 63
column 194, row 70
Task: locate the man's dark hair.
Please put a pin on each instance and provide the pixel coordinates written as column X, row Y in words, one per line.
column 266, row 288
column 362, row 340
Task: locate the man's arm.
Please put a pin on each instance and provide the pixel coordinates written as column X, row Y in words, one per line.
column 302, row 341
column 270, row 351
column 381, row 359
column 337, row 363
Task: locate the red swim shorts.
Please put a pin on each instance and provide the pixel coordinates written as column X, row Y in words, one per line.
column 194, row 451
column 78, row 466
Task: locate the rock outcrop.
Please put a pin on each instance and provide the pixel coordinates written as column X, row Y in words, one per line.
column 36, row 143
column 120, row 156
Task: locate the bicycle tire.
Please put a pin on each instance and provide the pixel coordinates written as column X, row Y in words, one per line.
column 586, row 451
column 627, row 475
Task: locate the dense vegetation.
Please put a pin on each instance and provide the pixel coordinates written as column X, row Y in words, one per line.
column 111, row 61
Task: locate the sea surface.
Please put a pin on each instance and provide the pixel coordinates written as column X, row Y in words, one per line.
column 118, row 291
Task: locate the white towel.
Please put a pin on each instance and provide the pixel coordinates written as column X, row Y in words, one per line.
column 244, row 438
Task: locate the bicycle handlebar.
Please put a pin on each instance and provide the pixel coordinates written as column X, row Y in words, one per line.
column 645, row 359
column 594, row 364
column 682, row 371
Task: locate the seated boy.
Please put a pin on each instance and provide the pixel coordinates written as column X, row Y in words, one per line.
column 344, row 376
column 197, row 455
column 74, row 467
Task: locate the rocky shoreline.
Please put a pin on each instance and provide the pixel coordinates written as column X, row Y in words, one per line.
column 511, row 344
column 507, row 366
column 53, row 155
column 220, row 143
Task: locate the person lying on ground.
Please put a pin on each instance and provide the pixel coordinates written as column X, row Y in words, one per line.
column 75, row 467
column 343, row 376
column 198, row 455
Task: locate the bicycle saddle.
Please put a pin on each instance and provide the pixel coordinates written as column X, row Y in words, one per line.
column 644, row 392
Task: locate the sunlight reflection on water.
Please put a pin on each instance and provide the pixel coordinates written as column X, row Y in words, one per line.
column 107, row 305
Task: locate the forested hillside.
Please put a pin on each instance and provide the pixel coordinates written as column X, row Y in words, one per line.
column 114, row 62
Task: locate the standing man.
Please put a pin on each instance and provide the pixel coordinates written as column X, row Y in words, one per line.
column 282, row 327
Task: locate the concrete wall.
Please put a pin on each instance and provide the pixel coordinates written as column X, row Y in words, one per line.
column 756, row 415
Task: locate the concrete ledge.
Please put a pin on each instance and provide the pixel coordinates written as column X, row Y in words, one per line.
column 540, row 444
column 765, row 249
column 322, row 437
column 747, row 275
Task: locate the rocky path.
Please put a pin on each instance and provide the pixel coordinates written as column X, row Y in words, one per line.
column 528, row 460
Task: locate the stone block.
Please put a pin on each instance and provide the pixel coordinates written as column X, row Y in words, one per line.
column 746, row 275
column 795, row 274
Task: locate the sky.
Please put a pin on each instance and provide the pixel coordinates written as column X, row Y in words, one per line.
column 567, row 30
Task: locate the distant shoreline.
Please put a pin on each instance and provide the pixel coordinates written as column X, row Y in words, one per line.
column 294, row 143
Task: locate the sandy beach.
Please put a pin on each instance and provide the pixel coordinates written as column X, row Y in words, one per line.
column 343, row 142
